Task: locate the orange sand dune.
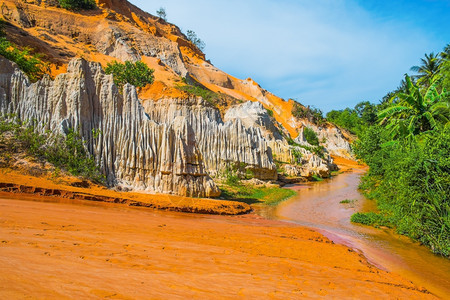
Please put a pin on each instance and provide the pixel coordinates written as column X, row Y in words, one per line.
column 59, row 250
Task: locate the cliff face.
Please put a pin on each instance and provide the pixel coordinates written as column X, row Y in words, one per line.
column 132, row 149
column 165, row 141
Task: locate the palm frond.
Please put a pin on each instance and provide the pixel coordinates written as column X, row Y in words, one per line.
column 392, row 111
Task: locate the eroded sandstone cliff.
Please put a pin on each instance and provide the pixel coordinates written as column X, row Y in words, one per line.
column 168, row 141
column 131, row 149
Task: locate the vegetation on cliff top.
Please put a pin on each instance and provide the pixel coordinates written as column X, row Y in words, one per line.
column 194, row 39
column 137, row 74
column 77, row 4
column 407, row 147
column 312, row 114
column 30, row 63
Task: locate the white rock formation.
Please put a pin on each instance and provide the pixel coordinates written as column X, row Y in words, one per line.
column 132, row 149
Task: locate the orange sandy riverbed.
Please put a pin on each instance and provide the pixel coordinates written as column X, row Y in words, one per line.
column 97, row 250
column 69, row 187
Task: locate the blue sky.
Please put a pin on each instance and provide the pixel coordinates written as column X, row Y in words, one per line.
column 327, row 53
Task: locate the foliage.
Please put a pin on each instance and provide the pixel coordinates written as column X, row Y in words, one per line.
column 194, row 39
column 198, row 91
column 355, row 120
column 64, row 152
column 318, row 150
column 414, row 188
column 77, row 4
column 416, row 111
column 29, row 63
column 137, row 74
column 369, row 218
column 312, row 114
column 427, row 70
column 310, row 136
column 316, row 177
column 232, row 177
column 251, row 194
column 408, row 153
column 161, row 13
column 297, row 154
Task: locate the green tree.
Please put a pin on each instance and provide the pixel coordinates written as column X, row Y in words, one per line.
column 137, row 74
column 161, row 13
column 427, row 70
column 444, row 72
column 194, row 39
column 415, row 113
column 445, row 54
column 367, row 112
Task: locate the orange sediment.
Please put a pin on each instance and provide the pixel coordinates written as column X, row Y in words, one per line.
column 55, row 250
column 13, row 181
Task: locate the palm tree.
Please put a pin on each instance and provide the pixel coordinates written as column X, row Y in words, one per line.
column 445, row 55
column 428, row 69
column 414, row 112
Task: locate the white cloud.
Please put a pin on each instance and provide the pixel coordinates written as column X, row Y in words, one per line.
column 327, row 53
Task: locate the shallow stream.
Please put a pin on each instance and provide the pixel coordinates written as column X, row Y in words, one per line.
column 318, row 206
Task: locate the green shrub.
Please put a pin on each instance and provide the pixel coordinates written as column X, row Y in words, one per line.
column 194, row 39
column 69, row 153
column 297, row 155
column 198, row 91
column 368, row 218
column 410, row 182
column 64, row 152
column 77, row 4
column 310, row 136
column 137, row 74
column 250, row 194
column 30, row 64
column 312, row 114
column 232, row 178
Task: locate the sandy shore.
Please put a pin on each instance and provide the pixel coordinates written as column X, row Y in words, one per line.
column 63, row 250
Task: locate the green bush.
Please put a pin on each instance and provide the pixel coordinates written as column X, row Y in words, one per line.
column 408, row 153
column 137, row 74
column 198, row 91
column 312, row 114
column 297, row 155
column 369, row 218
column 250, row 194
column 410, row 181
column 232, row 177
column 77, row 4
column 29, row 63
column 194, row 39
column 310, row 136
column 64, row 152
